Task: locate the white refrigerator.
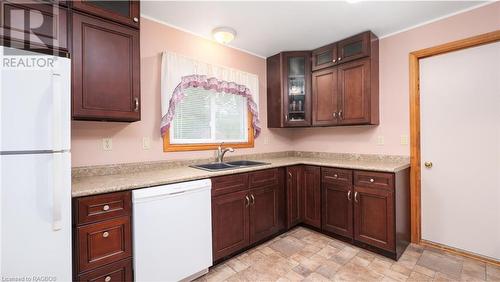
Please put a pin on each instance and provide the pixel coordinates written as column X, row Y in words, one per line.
column 35, row 166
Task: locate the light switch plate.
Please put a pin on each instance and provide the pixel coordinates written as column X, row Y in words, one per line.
column 146, row 143
column 107, row 144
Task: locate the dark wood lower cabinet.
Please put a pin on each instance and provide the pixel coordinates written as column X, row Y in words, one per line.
column 311, row 204
column 248, row 216
column 117, row 271
column 102, row 237
column 230, row 223
column 263, row 212
column 374, row 217
column 293, row 196
column 337, row 209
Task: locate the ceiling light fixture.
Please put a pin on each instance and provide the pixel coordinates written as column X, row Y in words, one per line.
column 224, row 35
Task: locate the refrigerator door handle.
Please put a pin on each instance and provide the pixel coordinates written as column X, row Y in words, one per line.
column 57, row 192
column 56, row 111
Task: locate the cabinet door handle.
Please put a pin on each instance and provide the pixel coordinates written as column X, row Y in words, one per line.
column 340, row 114
column 334, row 60
column 136, row 103
column 339, row 58
column 136, row 19
column 286, row 118
column 334, row 114
column 349, row 195
column 290, row 174
column 253, row 199
column 247, row 201
column 356, row 197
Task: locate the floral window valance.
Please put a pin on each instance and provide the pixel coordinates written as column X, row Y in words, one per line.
column 180, row 74
column 209, row 83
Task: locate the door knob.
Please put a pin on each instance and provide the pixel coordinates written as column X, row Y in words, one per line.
column 428, row 164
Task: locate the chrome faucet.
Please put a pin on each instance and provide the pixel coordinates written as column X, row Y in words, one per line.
column 221, row 152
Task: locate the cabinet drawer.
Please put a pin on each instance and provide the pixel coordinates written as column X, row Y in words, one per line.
column 336, row 176
column 263, row 178
column 37, row 25
column 104, row 242
column 117, row 271
column 374, row 179
column 102, row 207
column 229, row 183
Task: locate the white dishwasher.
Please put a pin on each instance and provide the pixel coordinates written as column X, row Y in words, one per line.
column 172, row 231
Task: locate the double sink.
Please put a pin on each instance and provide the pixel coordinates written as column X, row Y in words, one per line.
column 228, row 165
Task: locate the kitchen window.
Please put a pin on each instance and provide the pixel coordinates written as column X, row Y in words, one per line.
column 204, row 117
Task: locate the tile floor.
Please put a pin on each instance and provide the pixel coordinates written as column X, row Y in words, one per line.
column 305, row 255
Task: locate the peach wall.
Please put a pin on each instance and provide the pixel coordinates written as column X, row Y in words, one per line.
column 394, row 97
column 394, row 86
column 86, row 137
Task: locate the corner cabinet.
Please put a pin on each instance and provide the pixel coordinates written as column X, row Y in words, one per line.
column 289, row 89
column 106, row 71
column 340, row 88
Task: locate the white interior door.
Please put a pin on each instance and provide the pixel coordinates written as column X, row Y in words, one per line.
column 460, row 135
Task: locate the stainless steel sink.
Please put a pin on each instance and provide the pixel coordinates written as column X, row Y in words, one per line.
column 227, row 165
column 245, row 163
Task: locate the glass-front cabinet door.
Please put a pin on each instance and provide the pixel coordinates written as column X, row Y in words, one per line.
column 354, row 47
column 297, row 89
column 123, row 11
column 324, row 57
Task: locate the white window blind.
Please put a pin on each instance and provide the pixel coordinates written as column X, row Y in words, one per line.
column 204, row 116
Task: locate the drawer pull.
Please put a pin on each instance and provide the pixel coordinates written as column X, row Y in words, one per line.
column 105, row 207
column 107, row 279
column 105, row 234
column 136, row 20
column 335, row 176
column 372, row 180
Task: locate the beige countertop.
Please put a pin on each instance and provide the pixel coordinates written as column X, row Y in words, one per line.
column 84, row 184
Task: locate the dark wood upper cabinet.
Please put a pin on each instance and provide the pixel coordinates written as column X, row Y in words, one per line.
column 356, row 93
column 344, row 85
column 289, row 89
column 355, row 47
column 293, row 196
column 106, row 71
column 125, row 12
column 325, row 97
column 33, row 25
column 264, row 212
column 230, row 223
column 312, row 196
column 324, row 57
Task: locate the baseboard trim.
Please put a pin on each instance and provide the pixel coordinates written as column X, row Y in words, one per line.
column 460, row 252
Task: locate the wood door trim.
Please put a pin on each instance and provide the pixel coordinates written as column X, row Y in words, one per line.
column 415, row 157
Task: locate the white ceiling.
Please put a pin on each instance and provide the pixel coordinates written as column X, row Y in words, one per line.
column 266, row 28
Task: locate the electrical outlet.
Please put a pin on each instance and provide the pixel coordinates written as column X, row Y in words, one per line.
column 107, row 144
column 404, row 139
column 380, row 140
column 146, row 143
